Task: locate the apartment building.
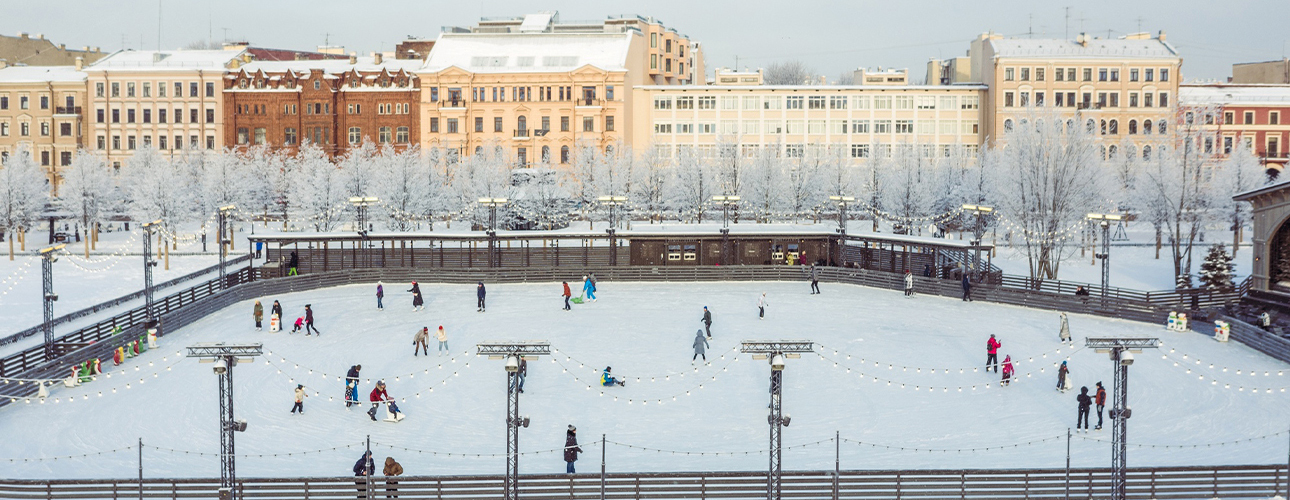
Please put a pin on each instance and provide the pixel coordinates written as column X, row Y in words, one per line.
column 532, row 95
column 335, row 104
column 1119, row 87
column 40, row 109
column 1274, row 72
column 1254, row 117
column 168, row 100
column 855, row 121
column 29, row 50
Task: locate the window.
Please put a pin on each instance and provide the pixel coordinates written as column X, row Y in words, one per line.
column 451, row 124
column 260, row 136
column 653, row 61
column 65, row 129
column 4, row 129
column 1025, row 99
column 210, row 142
column 99, row 115
column 497, row 124
column 23, row 102
column 129, row 89
column 147, row 116
column 1008, row 99
column 904, row 102
column 751, row 102
column 1101, row 74
column 116, row 142
column 1039, row 99
column 210, row 115
column 1133, row 127
column 130, row 142
column 434, row 125
column 769, row 102
column 1025, row 74
column 479, row 124
column 210, row 89
column 1164, row 74
column 926, row 127
column 707, row 102
column 355, row 136
column 355, row 109
column 116, row 89
column 401, row 135
column 609, row 92
column 161, row 142
column 98, row 92
column 815, row 102
column 926, row 102
column 815, row 127
column 904, row 126
column 65, row 158
column 1164, row 99
column 837, row 102
column 795, row 102
column 662, row 128
column 564, row 124
column 1007, row 125
column 1115, row 100
column 882, row 126
column 1115, row 127
column 384, row 135
column 1115, row 74
column 1133, row 75
column 751, row 127
column 1274, row 118
column 192, row 89
column 1133, row 99
column 662, row 103
column 968, row 127
column 970, row 102
column 242, row 135
column 1059, row 75
column 859, row 102
column 859, row 126
column 44, row 158
column 179, row 89
column 192, row 116
column 685, row 102
column 1009, row 74
column 1147, row 99
column 588, row 124
column 44, row 102
column 685, row 128
column 1039, row 74
column 288, row 137
column 1088, row 74
column 116, row 116
column 102, row 141
column 609, row 123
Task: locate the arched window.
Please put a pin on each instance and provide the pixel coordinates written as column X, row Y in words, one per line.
column 1146, row 127
column 1090, row 126
column 1115, row 127
column 1133, row 127
column 609, row 150
column 479, row 150
column 1070, row 125
column 1103, row 152
column 1146, row 152
column 546, row 154
column 1007, row 125
column 522, row 123
column 564, row 154
column 1161, row 128
column 1110, row 152
column 1103, row 127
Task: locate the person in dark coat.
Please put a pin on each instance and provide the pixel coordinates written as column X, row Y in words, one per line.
column 815, row 280
column 571, row 449
column 309, row 321
column 351, row 385
column 707, row 321
column 1084, row 402
column 380, row 294
column 700, row 346
column 1061, row 376
column 927, row 270
column 363, row 468
column 293, row 264
column 276, row 309
column 967, row 288
column 480, row 292
column 417, row 301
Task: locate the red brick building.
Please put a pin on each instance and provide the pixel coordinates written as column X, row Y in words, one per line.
column 337, row 104
column 1252, row 116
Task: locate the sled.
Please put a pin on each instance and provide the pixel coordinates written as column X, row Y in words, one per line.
column 576, row 300
column 275, row 325
column 392, row 413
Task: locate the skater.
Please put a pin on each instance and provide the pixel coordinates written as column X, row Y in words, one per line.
column 707, row 321
column 1100, row 398
column 1065, row 332
column 276, row 310
column 480, row 293
column 421, row 342
column 520, row 374
column 588, row 288
column 761, row 306
column 378, row 396
column 571, row 449
column 380, row 294
column 417, row 302
column 309, row 321
column 700, row 347
column 363, row 468
column 967, row 288
column 909, row 283
column 442, row 337
column 300, row 323
column 300, row 400
column 391, row 472
column 992, row 353
column 1062, row 371
column 293, row 264
column 608, row 380
column 351, row 385
column 1084, row 403
column 567, row 294
column 1007, row 371
column 815, row 280
column 258, row 313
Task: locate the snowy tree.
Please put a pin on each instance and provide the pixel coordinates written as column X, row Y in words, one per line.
column 433, row 181
column 1239, row 173
column 319, row 192
column 1175, row 190
column 540, row 196
column 793, row 72
column 227, row 179
column 484, row 174
column 764, row 184
column 158, row 189
column 692, row 187
column 1217, row 270
column 728, row 167
column 802, row 182
column 23, row 192
column 360, row 171
column 907, row 180
column 586, row 184
column 400, row 187
column 279, row 184
column 87, row 191
column 652, row 182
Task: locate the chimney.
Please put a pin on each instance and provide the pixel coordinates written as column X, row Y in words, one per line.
column 353, row 58
column 85, row 48
column 62, row 46
column 1161, row 36
column 4, row 63
column 22, row 35
column 40, row 36
column 80, row 63
column 376, row 57
column 1082, row 39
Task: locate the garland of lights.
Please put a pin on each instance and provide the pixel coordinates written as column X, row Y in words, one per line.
column 325, row 376
column 658, row 401
column 17, row 276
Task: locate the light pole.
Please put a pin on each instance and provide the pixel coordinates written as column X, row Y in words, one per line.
column 47, row 260
column 726, row 202
column 225, row 236
column 842, row 202
column 1104, row 220
column 361, row 203
column 492, row 203
column 611, row 202
column 148, row 263
column 776, row 351
column 978, row 231
column 1121, row 351
column 512, row 353
column 225, row 357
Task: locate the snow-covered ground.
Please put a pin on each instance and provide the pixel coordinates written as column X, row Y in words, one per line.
column 645, row 331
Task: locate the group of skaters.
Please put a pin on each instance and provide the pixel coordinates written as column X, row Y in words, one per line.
column 366, row 466
column 927, row 273
column 1083, row 400
column 379, row 395
column 305, row 322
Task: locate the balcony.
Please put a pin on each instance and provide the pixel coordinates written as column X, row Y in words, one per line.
column 452, row 103
column 588, row 102
column 521, row 133
column 1089, row 105
column 67, row 110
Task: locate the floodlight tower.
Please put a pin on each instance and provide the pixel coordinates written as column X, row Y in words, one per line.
column 48, row 256
column 1121, row 351
column 225, row 357
column 512, row 352
column 776, row 351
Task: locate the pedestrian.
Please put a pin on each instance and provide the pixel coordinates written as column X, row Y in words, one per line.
column 351, row 385
column 442, row 337
column 707, row 321
column 1084, row 403
column 1065, row 332
column 258, row 313
column 363, row 469
column 1265, row 321
column 377, row 396
column 608, row 380
column 1007, row 371
column 815, row 280
column 1100, row 398
column 927, row 270
column 761, row 306
column 571, row 449
column 380, row 294
column 992, row 353
column 700, row 347
column 300, row 322
column 1062, row 371
column 300, row 400
column 909, row 283
column 293, row 264
column 391, row 472
column 276, row 310
column 588, row 289
column 309, row 321
column 567, row 294
column 967, row 288
column 420, row 343
column 417, row 301
column 480, row 293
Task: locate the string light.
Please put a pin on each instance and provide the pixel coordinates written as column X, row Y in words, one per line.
column 68, row 457
column 1017, row 377
column 716, row 453
column 649, row 378
column 479, row 455
column 255, row 455
column 1191, row 446
column 961, row 370
column 325, row 376
column 17, row 276
column 955, row 450
column 643, row 401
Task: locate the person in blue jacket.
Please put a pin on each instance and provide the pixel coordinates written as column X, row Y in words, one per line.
column 480, row 292
column 589, row 288
column 608, row 380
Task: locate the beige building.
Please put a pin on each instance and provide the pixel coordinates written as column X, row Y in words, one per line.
column 880, row 76
column 1274, row 72
column 25, row 49
column 727, row 76
column 40, row 109
column 859, row 121
column 1122, row 86
column 169, row 100
column 533, row 95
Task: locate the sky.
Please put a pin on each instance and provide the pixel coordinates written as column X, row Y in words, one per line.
column 830, row 37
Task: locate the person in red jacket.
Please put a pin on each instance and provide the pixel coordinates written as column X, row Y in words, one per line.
column 992, row 353
column 377, row 396
column 567, row 293
column 1100, row 399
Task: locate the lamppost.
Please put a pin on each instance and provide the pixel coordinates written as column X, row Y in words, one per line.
column 611, row 202
column 978, row 231
column 492, row 203
column 776, row 351
column 47, row 260
column 512, row 353
column 726, row 202
column 1104, row 220
column 225, row 357
column 842, row 202
column 225, row 237
column 150, row 317
column 1121, row 351
column 361, row 203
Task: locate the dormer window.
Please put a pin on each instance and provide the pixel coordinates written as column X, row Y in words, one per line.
column 259, row 84
column 241, row 84
column 317, row 84
column 353, row 84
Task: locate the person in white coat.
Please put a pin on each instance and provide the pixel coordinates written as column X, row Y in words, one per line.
column 909, row 283
column 1065, row 332
column 761, row 306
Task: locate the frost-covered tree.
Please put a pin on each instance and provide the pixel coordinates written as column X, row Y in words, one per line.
column 1240, row 172
column 1176, row 190
column 908, row 180
column 23, row 192
column 1217, row 270
column 400, row 186
column 652, row 182
column 436, row 191
column 802, row 182
column 158, row 189
column 794, row 72
column 764, row 184
column 87, row 191
column 229, row 179
column 318, row 189
column 360, row 170
column 692, row 187
column 484, row 174
column 540, row 196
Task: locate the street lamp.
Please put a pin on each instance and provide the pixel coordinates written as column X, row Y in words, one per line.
column 1121, row 351
column 148, row 263
column 978, row 231
column 726, row 202
column 225, row 237
column 842, row 202
column 512, row 353
column 47, row 260
column 611, row 202
column 492, row 203
column 776, row 351
column 1105, row 221
column 361, row 203
column 225, row 357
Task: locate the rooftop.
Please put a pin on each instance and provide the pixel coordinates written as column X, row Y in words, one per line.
column 1219, row 93
column 40, row 74
column 151, row 60
column 528, row 52
column 825, row 88
column 334, row 66
column 1150, row 48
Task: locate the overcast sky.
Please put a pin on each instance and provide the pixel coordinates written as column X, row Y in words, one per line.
column 829, row 36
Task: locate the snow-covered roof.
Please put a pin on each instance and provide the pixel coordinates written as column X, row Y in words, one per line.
column 1251, row 194
column 333, row 66
column 822, row 88
column 40, row 74
column 1151, row 48
column 528, row 52
column 1264, row 95
column 153, row 60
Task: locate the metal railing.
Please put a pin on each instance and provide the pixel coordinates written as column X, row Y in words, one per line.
column 67, row 110
column 521, row 133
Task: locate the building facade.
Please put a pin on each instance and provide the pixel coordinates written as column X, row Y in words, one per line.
column 25, row 49
column 41, row 110
column 1254, row 117
column 335, row 104
column 1272, row 72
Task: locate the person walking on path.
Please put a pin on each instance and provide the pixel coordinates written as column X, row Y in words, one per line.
column 1007, row 371
column 700, row 347
column 258, row 313
column 309, row 321
column 351, row 385
column 571, row 448
column 1065, row 332
column 480, row 292
column 417, row 302
column 293, row 264
column 300, row 400
column 380, row 294
column 589, row 288
column 363, row 469
column 567, row 294
column 1084, row 403
column 420, row 343
column 391, row 472
column 1062, row 371
column 761, row 306
column 442, row 337
column 967, row 288
column 909, row 283
column 707, row 321
column 1100, row 399
column 815, row 280
column 992, row 353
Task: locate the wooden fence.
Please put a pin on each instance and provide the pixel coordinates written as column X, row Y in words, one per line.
column 1203, row 482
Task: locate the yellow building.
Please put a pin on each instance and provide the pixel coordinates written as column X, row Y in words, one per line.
column 40, row 109
column 1125, row 86
column 169, row 100
column 859, row 120
column 533, row 95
